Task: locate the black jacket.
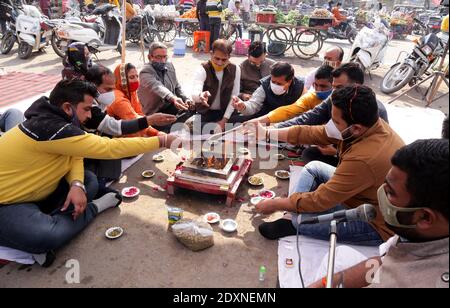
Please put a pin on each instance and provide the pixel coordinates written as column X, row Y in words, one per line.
column 45, row 122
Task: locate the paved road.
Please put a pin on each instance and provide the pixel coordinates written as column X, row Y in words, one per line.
column 49, row 63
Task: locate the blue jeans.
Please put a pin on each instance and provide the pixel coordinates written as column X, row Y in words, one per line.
column 10, row 119
column 38, row 227
column 204, row 23
column 355, row 232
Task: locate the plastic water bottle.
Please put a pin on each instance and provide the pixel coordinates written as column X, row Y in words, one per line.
column 262, row 273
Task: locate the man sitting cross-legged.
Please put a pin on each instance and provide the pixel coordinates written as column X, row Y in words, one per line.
column 46, row 196
column 365, row 142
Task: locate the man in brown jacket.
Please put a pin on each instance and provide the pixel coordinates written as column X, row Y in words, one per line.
column 414, row 202
column 365, row 143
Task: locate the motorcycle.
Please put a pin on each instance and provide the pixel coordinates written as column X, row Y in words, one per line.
column 370, row 46
column 103, row 34
column 434, row 23
column 9, row 38
column 340, row 32
column 426, row 52
column 425, row 24
column 34, row 31
column 142, row 27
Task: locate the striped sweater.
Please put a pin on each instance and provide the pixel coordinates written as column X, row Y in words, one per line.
column 214, row 8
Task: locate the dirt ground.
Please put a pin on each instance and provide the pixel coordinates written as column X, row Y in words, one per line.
column 148, row 255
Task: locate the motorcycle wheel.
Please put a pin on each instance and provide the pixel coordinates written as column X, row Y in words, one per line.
column 397, row 77
column 25, row 50
column 56, row 45
column 7, row 44
column 351, row 36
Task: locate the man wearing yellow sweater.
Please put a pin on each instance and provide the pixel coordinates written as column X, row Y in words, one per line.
column 323, row 86
column 43, row 199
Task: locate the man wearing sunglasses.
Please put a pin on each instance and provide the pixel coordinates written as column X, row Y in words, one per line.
column 365, row 144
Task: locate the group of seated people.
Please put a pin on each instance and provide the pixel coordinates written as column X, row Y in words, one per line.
column 53, row 182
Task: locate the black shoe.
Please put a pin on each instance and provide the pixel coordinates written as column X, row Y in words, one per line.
column 49, row 259
column 119, row 197
column 277, row 229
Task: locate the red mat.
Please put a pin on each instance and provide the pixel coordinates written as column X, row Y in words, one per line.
column 15, row 86
column 3, row 262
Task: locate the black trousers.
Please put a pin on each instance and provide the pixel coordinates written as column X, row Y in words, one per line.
column 313, row 154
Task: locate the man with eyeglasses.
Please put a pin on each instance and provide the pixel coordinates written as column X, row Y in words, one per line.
column 365, row 144
column 332, row 57
column 160, row 91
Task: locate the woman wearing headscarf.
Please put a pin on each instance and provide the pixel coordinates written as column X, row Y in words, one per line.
column 76, row 62
column 126, row 105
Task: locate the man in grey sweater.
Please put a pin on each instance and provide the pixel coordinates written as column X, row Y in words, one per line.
column 160, row 90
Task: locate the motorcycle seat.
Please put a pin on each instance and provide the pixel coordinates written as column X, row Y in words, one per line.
column 92, row 26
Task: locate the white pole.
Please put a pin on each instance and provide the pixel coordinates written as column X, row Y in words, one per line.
column 124, row 30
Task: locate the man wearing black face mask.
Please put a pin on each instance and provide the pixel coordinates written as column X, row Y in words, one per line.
column 160, row 90
column 47, row 198
column 414, row 202
column 255, row 68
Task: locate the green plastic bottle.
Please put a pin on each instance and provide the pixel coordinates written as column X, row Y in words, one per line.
column 262, row 273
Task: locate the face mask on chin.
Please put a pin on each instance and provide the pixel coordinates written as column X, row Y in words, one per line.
column 276, row 89
column 390, row 211
column 218, row 68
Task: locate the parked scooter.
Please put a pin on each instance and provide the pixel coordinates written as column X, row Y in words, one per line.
column 426, row 52
column 370, row 46
column 103, row 34
column 34, row 31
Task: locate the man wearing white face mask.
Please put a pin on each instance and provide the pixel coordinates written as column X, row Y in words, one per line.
column 100, row 122
column 280, row 89
column 414, row 203
column 104, row 80
column 365, row 145
column 332, row 57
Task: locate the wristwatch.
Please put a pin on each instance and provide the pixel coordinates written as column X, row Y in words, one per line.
column 80, row 185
